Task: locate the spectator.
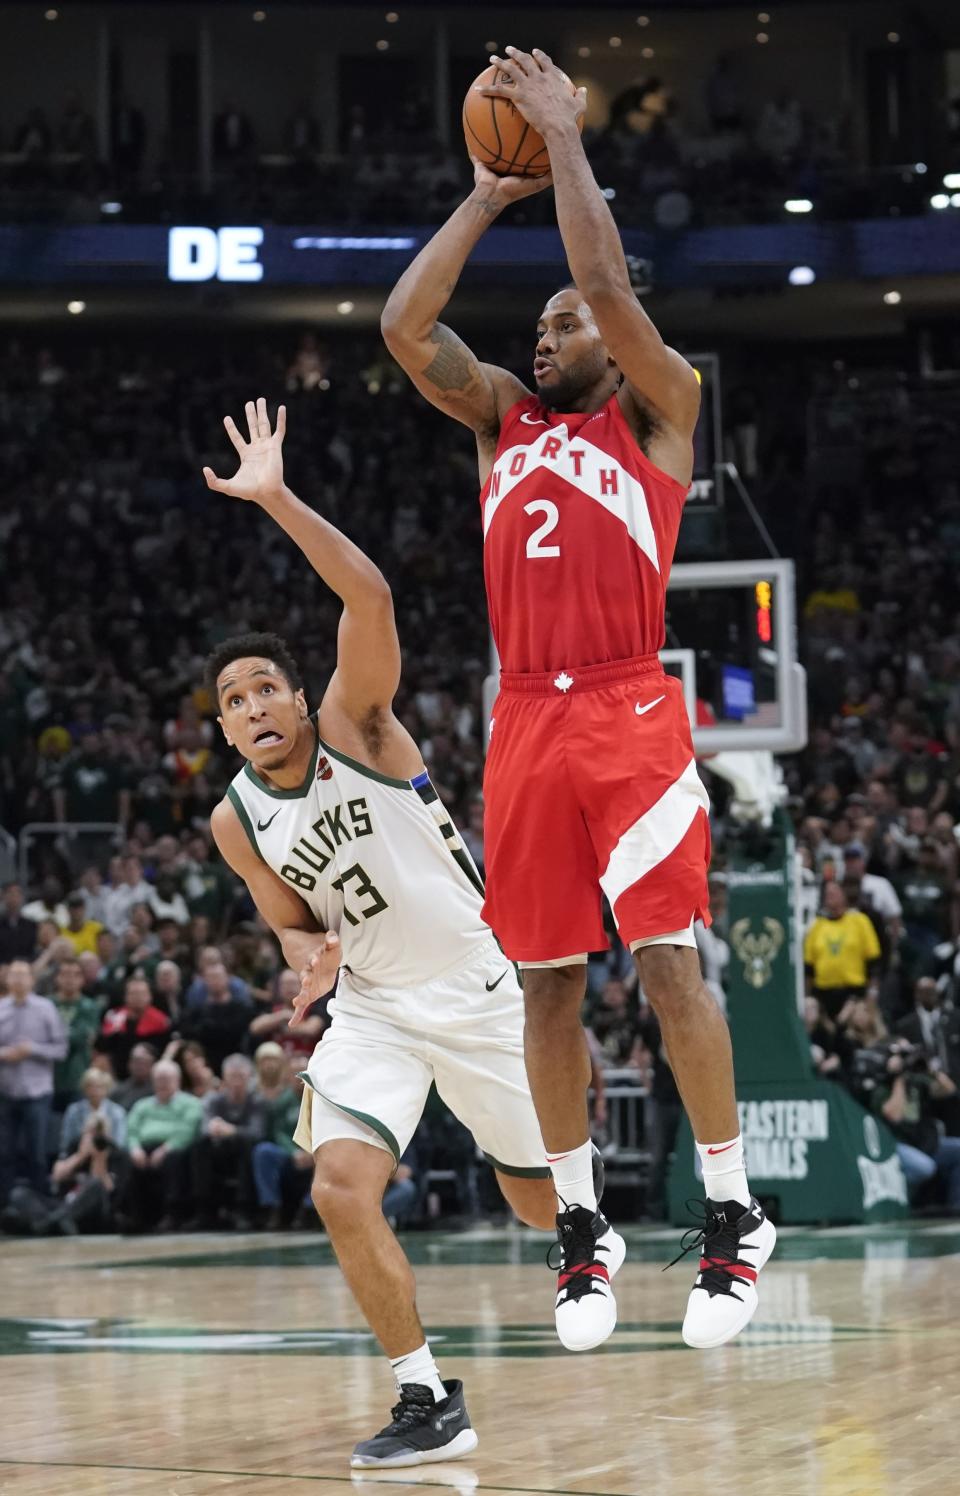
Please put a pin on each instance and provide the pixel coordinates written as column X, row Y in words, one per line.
column 929, row 898
column 905, row 1101
column 48, row 906
column 234, row 1122
column 91, row 885
column 221, row 1021
column 402, row 1195
column 272, row 1072
column 18, row 934
column 94, row 1105
column 80, row 929
column 124, row 1027
column 197, row 993
column 207, row 886
column 919, row 777
column 160, row 1131
column 167, row 983
column 31, row 1041
column 138, row 1083
column 841, row 952
column 875, row 894
column 92, row 788
column 282, row 1172
column 80, row 1018
column 167, row 903
column 91, row 1169
column 275, row 1022
column 93, row 985
column 125, row 895
column 613, row 1023
column 252, row 959
column 827, row 1045
column 196, row 1077
column 937, row 1033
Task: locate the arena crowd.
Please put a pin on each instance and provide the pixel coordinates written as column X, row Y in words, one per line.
column 148, row 1078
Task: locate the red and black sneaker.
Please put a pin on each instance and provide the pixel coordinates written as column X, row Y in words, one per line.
column 591, row 1254
column 735, row 1242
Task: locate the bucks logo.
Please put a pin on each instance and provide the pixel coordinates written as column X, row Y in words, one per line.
column 757, row 952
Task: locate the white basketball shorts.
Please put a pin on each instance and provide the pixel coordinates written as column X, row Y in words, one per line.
column 369, row 1076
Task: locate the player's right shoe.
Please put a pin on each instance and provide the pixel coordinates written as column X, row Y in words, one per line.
column 591, row 1254
column 735, row 1242
column 421, row 1431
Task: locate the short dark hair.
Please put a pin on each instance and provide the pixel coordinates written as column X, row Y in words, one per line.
column 240, row 647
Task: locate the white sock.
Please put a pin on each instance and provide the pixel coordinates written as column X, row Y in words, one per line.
column 724, row 1175
column 573, row 1175
column 418, row 1367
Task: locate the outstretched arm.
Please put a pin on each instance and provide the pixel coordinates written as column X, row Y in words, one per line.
column 658, row 376
column 442, row 366
column 368, row 650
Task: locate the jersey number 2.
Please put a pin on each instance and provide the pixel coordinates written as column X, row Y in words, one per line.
column 551, row 517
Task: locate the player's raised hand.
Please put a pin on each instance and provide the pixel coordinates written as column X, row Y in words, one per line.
column 317, row 977
column 507, row 189
column 540, row 90
column 260, row 474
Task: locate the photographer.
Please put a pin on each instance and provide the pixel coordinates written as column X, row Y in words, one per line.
column 93, row 1161
column 904, row 1096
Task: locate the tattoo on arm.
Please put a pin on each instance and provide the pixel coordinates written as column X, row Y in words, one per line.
column 454, row 366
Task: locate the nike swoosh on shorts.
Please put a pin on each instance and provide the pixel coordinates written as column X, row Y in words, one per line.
column 490, row 985
column 642, row 710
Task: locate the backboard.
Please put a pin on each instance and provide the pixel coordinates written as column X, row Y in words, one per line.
column 732, row 640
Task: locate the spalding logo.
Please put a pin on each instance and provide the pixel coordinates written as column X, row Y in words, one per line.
column 324, row 770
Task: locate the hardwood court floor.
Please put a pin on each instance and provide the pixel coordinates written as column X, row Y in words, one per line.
column 196, row 1365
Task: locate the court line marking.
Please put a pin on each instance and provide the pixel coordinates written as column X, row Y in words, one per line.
column 342, row 1480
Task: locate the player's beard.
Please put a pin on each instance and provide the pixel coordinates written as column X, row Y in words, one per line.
column 564, row 391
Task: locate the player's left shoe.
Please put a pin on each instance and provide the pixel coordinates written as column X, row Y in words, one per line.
column 591, row 1255
column 735, row 1242
column 421, row 1431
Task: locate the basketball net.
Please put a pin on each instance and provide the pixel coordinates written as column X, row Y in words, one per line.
column 757, row 782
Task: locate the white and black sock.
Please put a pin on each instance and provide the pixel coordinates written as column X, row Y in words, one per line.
column 573, row 1176
column 724, row 1174
column 418, row 1368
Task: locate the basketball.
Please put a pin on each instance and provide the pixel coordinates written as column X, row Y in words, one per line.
column 497, row 133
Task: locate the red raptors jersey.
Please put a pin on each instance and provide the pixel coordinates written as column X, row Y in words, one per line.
column 579, row 531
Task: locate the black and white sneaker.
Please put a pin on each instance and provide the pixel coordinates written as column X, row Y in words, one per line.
column 422, row 1431
column 591, row 1254
column 735, row 1242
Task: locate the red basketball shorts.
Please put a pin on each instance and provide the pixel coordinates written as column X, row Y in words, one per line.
column 591, row 784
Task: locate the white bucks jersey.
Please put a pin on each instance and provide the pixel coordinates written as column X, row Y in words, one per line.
column 377, row 860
